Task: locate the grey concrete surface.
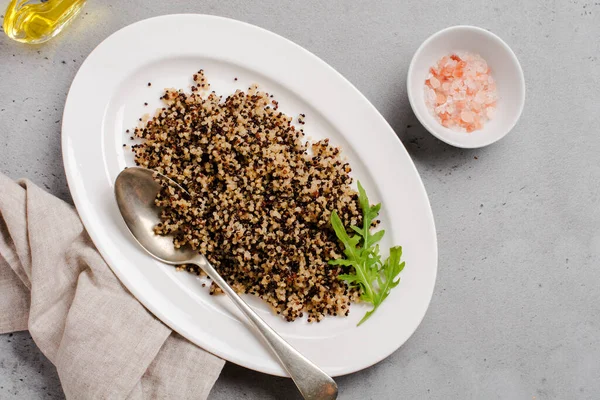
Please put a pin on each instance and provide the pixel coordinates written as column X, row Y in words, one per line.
column 516, row 309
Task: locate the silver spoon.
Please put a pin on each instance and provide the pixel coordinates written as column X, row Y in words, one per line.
column 135, row 190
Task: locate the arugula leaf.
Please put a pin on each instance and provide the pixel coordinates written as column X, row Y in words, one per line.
column 374, row 278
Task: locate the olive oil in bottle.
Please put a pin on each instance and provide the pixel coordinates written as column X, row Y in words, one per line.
column 36, row 21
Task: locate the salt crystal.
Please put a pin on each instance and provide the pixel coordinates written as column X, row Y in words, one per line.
column 431, row 95
column 467, row 116
column 460, row 92
column 440, row 99
column 480, row 97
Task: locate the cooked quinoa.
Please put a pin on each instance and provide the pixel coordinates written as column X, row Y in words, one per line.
column 260, row 200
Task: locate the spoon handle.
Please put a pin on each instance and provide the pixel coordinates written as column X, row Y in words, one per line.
column 313, row 383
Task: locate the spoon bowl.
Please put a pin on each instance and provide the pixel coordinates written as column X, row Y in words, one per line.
column 135, row 191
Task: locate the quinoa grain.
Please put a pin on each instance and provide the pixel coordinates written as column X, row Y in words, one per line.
column 260, row 197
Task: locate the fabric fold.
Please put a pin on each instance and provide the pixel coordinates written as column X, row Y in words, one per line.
column 103, row 342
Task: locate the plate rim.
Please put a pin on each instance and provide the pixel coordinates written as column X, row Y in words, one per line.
column 72, row 180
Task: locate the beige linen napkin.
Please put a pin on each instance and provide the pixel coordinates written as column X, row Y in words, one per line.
column 104, row 344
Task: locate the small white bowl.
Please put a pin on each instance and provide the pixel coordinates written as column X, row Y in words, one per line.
column 506, row 71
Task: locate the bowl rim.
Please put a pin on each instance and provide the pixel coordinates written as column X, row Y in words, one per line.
column 439, row 133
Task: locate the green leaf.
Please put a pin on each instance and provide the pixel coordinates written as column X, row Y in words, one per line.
column 341, row 261
column 348, row 278
column 375, row 278
column 339, row 229
column 374, row 211
column 376, row 237
column 363, row 199
column 367, row 315
column 356, row 229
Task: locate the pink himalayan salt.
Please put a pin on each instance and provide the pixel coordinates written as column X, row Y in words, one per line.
column 460, row 92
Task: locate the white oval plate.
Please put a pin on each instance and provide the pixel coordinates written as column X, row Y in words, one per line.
column 107, row 97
